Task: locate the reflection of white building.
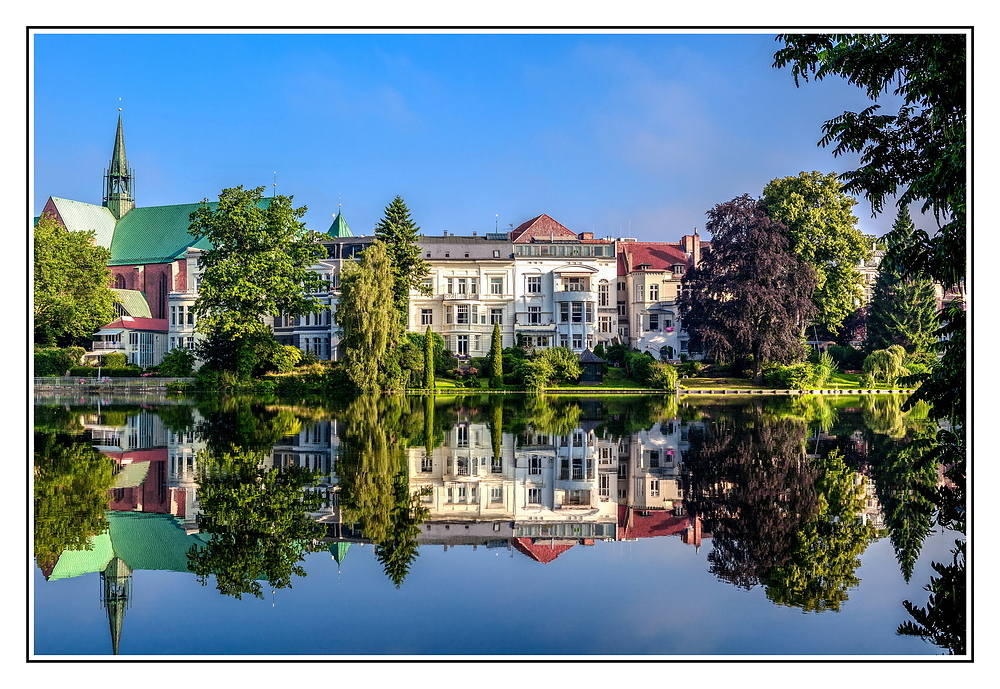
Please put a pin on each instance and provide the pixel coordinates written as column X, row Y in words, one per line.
column 649, row 477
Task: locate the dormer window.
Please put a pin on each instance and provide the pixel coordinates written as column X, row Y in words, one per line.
column 679, row 269
column 644, row 266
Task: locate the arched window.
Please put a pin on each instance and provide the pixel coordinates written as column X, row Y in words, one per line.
column 119, row 282
column 162, row 300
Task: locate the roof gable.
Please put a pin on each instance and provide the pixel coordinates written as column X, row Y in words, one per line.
column 658, row 256
column 77, row 216
column 541, row 226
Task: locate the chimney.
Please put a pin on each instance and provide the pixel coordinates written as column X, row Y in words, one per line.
column 474, row 233
column 695, row 249
column 586, row 235
column 446, row 233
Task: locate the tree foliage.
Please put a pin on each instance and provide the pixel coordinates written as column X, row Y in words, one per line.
column 885, row 366
column 915, row 155
column 258, row 267
column 399, row 233
column 71, row 296
column 822, row 231
column 903, row 310
column 496, row 358
column 179, row 361
column 750, row 299
column 71, row 482
column 368, row 320
column 429, row 382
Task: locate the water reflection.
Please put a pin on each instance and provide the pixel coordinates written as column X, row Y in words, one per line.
column 788, row 493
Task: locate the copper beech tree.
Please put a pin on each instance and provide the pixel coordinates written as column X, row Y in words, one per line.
column 750, row 299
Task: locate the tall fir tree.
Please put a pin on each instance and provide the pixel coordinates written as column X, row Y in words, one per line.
column 399, row 233
column 903, row 311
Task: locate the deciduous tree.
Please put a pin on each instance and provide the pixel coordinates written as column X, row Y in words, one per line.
column 368, row 320
column 71, row 293
column 258, row 266
column 822, row 231
column 750, row 299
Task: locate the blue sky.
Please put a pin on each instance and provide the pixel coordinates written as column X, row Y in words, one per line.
column 621, row 134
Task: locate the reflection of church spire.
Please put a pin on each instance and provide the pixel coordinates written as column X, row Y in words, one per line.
column 116, row 594
column 339, row 552
column 118, row 193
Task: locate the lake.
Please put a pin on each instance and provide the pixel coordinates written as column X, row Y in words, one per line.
column 486, row 526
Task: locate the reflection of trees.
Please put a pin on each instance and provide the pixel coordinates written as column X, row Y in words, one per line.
column 71, row 483
column 821, row 565
column 255, row 516
column 626, row 415
column 551, row 415
column 942, row 620
column 749, row 481
column 905, row 480
column 257, row 522
column 374, row 480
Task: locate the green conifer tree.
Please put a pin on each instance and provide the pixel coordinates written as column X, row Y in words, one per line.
column 496, row 358
column 903, row 311
column 429, row 359
column 399, row 233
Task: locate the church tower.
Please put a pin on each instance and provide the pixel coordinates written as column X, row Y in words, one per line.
column 118, row 192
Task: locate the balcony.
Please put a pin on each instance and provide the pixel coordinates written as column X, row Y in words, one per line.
column 575, row 295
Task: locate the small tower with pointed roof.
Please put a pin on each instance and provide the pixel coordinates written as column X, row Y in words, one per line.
column 339, row 227
column 118, row 193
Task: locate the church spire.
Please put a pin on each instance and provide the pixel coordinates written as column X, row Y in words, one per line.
column 118, row 193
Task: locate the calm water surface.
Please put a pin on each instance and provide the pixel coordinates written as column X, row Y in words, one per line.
column 482, row 526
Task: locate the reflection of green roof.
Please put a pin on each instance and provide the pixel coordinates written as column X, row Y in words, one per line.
column 141, row 540
column 82, row 217
column 339, row 550
column 134, row 302
column 132, row 475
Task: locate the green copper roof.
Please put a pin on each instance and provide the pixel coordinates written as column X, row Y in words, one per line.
column 339, row 227
column 141, row 540
column 119, row 165
column 78, row 216
column 158, row 234
column 134, row 302
column 339, row 550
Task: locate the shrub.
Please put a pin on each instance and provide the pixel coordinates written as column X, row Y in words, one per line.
column 92, row 372
column 178, row 362
column 114, row 360
column 52, row 362
column 794, row 377
column 283, row 358
column 691, row 368
column 565, row 364
column 662, row 376
column 846, row 358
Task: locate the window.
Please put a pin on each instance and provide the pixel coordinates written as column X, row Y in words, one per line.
column 577, row 341
column 496, row 465
column 535, row 284
column 463, row 285
column 654, row 488
column 563, row 341
column 654, row 293
column 476, row 344
column 577, row 312
column 534, row 314
column 462, row 436
column 603, row 294
column 448, row 318
column 654, row 459
column 621, row 309
column 173, row 315
column 496, row 494
column 564, row 312
column 654, row 321
column 496, row 285
column 534, row 496
column 462, row 467
column 449, row 285
column 621, row 287
column 426, row 317
column 496, row 253
column 496, row 316
column 684, row 345
column 462, row 345
column 679, row 269
column 426, row 464
column 535, row 465
column 428, row 285
column 119, row 282
column 462, row 314
column 605, row 324
column 638, row 293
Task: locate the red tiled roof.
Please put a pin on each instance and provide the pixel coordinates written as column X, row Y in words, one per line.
column 655, row 523
column 541, row 226
column 139, row 324
column 659, row 256
column 540, row 552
